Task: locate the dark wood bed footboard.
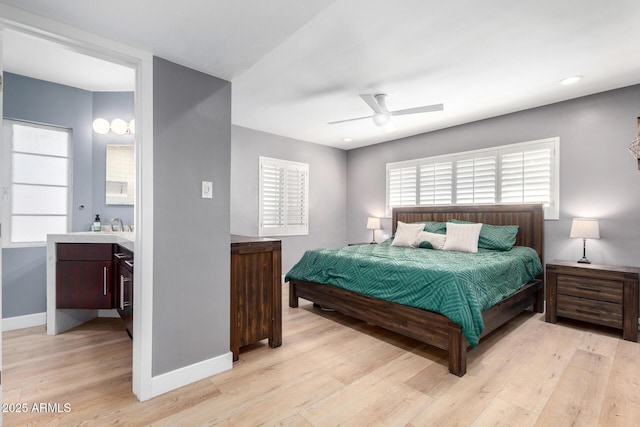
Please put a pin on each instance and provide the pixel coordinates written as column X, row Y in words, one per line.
column 423, row 325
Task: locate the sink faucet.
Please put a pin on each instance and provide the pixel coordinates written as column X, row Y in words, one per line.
column 120, row 224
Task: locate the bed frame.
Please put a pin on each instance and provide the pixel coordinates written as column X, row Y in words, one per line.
column 426, row 326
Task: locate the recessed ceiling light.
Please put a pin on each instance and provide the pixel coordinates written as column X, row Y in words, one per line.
column 571, row 80
column 347, row 139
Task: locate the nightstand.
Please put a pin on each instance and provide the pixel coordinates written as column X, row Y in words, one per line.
column 601, row 294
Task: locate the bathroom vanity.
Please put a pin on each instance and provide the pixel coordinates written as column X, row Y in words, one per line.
column 87, row 272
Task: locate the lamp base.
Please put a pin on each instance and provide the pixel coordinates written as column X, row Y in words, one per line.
column 584, row 260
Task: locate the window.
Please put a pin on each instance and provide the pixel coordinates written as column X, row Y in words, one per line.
column 518, row 173
column 284, row 198
column 37, row 192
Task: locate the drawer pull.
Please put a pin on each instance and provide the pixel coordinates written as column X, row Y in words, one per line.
column 129, row 263
column 104, row 281
column 123, row 303
column 595, row 313
column 120, row 255
column 588, row 288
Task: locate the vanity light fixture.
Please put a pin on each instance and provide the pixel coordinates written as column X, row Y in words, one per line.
column 101, row 126
column 117, row 126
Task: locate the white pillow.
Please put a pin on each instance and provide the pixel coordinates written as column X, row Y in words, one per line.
column 406, row 234
column 436, row 239
column 462, row 237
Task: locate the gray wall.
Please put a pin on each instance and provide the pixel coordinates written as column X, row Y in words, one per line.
column 24, row 269
column 109, row 105
column 24, row 272
column 192, row 143
column 327, row 189
column 598, row 176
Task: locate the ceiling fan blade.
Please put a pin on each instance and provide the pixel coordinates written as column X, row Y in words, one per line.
column 423, row 109
column 372, row 102
column 348, row 120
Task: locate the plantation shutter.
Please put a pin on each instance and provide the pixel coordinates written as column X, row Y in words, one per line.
column 402, row 186
column 476, row 180
column 284, row 198
column 436, row 183
column 296, row 195
column 525, row 172
column 526, row 177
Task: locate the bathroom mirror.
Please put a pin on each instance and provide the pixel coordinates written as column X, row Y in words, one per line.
column 120, row 175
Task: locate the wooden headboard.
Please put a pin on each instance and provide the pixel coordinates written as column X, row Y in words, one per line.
column 529, row 219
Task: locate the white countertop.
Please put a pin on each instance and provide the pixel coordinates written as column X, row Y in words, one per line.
column 124, row 239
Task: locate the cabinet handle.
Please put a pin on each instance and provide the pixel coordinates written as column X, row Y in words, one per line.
column 595, row 313
column 129, row 263
column 588, row 288
column 104, row 281
column 123, row 304
column 120, row 255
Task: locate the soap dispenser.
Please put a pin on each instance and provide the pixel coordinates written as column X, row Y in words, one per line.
column 97, row 226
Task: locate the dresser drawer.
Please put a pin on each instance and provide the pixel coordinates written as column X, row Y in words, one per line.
column 589, row 287
column 601, row 313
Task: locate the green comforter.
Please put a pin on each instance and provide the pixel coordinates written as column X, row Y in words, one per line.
column 456, row 284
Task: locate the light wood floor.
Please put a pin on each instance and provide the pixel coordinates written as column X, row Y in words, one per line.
column 333, row 370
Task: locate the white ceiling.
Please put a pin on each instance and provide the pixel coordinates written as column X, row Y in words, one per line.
column 296, row 65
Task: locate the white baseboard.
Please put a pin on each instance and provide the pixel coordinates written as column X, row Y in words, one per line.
column 163, row 383
column 26, row 321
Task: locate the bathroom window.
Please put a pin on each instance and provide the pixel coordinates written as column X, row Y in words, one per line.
column 284, row 198
column 36, row 192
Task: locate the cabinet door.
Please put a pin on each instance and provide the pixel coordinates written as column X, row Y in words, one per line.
column 124, row 300
column 253, row 279
column 84, row 284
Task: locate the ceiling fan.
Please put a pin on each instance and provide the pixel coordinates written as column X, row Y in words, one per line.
column 381, row 114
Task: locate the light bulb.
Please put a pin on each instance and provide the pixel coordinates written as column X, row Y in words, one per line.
column 571, row 80
column 381, row 119
column 101, row 126
column 119, row 126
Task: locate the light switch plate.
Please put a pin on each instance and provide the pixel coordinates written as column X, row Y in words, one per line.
column 207, row 190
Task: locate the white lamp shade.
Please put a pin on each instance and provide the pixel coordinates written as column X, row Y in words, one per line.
column 584, row 228
column 373, row 223
column 101, row 126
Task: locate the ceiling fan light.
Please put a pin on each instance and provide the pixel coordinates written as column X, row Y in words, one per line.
column 381, row 119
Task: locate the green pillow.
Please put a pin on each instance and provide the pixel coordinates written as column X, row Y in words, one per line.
column 434, row 226
column 425, row 245
column 497, row 237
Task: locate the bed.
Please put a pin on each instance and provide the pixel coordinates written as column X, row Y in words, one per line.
column 428, row 326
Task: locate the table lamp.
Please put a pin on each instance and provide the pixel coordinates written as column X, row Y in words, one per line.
column 584, row 229
column 373, row 224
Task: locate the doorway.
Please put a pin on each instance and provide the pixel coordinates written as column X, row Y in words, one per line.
column 65, row 42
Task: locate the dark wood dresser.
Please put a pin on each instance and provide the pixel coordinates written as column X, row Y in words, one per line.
column 256, row 292
column 601, row 294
